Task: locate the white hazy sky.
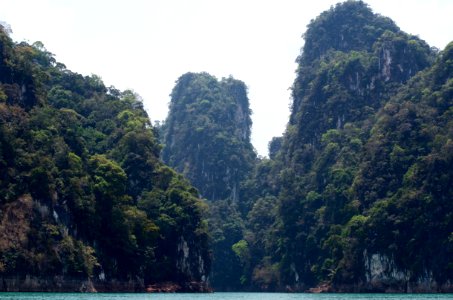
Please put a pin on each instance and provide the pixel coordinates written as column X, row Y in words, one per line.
column 145, row 45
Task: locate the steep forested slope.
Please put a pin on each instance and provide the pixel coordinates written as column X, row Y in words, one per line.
column 207, row 134
column 207, row 138
column 355, row 195
column 84, row 200
column 405, row 184
column 340, row 85
column 359, row 181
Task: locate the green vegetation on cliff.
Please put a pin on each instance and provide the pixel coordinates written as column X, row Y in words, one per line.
column 355, row 196
column 207, row 138
column 83, row 192
column 207, row 134
column 356, row 193
column 363, row 173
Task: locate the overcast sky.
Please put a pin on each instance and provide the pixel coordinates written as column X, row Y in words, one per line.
column 145, row 45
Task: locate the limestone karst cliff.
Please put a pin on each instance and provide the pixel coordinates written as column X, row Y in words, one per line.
column 85, row 202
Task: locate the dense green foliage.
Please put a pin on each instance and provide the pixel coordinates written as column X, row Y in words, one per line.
column 207, row 134
column 82, row 190
column 406, row 177
column 336, row 95
column 362, row 173
column 363, row 168
column 355, row 196
column 207, row 138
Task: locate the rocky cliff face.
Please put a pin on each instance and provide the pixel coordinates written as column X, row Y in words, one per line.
column 207, row 134
column 191, row 261
column 382, row 275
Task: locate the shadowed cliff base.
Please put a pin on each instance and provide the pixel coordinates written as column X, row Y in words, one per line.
column 85, row 285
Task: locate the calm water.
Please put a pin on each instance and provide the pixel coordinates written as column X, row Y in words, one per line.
column 221, row 296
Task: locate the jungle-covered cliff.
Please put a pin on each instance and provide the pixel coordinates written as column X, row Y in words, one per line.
column 207, row 134
column 85, row 202
column 356, row 194
column 207, row 138
column 361, row 181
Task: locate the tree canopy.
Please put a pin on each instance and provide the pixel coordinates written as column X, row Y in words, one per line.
column 80, row 169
